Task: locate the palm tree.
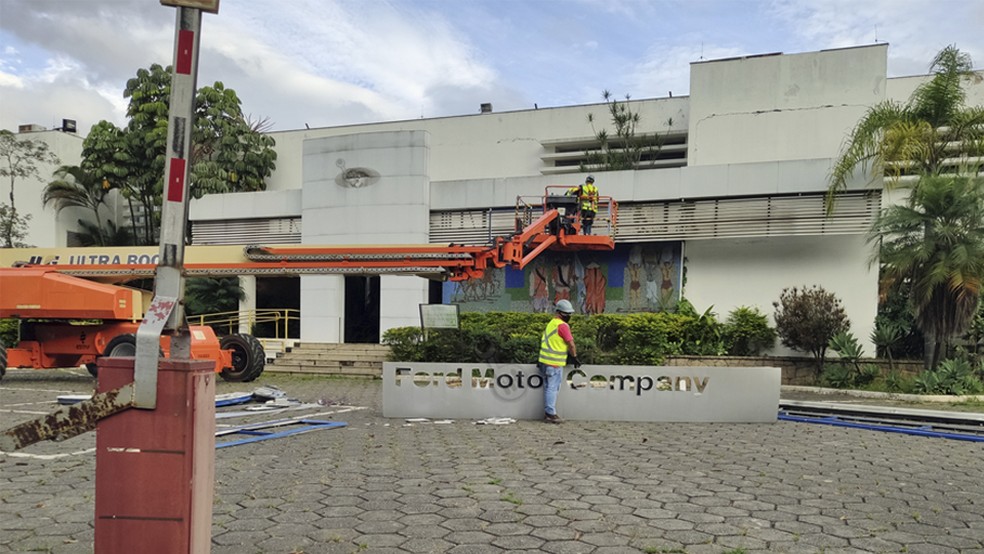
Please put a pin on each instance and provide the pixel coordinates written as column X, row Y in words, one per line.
column 74, row 187
column 934, row 245
column 94, row 235
column 932, row 133
column 210, row 295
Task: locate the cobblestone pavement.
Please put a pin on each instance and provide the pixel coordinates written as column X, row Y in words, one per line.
column 381, row 485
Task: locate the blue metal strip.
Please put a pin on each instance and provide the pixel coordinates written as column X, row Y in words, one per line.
column 259, row 435
column 924, row 431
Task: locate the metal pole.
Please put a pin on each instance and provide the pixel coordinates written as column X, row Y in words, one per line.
column 166, row 312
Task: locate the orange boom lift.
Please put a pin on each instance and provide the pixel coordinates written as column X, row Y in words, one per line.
column 73, row 314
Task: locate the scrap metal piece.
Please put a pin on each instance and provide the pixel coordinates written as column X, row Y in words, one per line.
column 257, row 431
column 68, row 421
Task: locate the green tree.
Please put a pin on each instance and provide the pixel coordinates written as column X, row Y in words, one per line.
column 19, row 159
column 14, row 227
column 933, row 132
column 934, row 244
column 807, row 319
column 232, row 154
column 74, row 187
column 229, row 153
column 626, row 149
column 105, row 153
column 208, row 295
column 747, row 332
column 108, row 235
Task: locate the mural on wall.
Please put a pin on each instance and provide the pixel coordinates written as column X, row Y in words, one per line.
column 632, row 278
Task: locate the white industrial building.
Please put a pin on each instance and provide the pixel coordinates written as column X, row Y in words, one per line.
column 734, row 199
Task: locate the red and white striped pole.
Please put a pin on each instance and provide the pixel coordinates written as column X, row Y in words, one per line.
column 155, row 466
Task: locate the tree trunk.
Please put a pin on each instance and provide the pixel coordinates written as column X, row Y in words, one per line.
column 933, row 350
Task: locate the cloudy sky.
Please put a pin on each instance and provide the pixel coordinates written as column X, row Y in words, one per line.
column 333, row 62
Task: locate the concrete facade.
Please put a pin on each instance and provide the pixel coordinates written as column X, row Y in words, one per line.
column 46, row 227
column 385, row 201
column 758, row 127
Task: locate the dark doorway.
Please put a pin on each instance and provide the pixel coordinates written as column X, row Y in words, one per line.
column 435, row 292
column 362, row 309
column 278, row 304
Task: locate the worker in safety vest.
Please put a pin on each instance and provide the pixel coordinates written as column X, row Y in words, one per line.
column 556, row 348
column 587, row 202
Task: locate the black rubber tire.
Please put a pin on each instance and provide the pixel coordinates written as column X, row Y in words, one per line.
column 248, row 358
column 3, row 359
column 121, row 346
column 124, row 345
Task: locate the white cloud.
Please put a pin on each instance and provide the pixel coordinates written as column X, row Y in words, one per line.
column 915, row 29
column 666, row 68
column 11, row 81
column 331, row 62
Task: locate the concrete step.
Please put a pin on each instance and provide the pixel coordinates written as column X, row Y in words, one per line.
column 353, row 371
column 340, row 354
column 328, row 356
column 276, row 347
column 332, row 359
column 342, row 346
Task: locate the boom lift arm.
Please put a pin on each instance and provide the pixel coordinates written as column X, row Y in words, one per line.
column 451, row 262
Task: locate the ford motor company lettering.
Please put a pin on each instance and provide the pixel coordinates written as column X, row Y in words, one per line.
column 612, row 393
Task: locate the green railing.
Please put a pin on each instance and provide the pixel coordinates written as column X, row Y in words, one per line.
column 279, row 320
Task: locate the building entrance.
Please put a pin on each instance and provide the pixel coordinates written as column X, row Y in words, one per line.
column 362, row 309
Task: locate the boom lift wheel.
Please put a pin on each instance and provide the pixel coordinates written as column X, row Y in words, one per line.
column 248, row 357
column 119, row 346
column 3, row 359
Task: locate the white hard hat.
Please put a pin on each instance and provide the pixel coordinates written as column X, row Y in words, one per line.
column 564, row 306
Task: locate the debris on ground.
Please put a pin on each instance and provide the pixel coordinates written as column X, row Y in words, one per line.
column 495, row 421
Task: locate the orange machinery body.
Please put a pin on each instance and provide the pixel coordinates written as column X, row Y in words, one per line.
column 49, row 296
column 46, row 299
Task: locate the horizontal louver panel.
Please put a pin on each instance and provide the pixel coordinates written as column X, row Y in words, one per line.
column 688, row 220
column 247, row 231
column 471, row 227
column 746, row 217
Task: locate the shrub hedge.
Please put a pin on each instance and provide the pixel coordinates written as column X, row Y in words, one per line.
column 513, row 337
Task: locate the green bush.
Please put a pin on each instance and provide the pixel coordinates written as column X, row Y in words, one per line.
column 952, row 376
column 896, row 382
column 406, row 343
column 837, row 376
column 747, row 332
column 8, row 331
column 512, row 337
column 848, row 371
column 807, row 318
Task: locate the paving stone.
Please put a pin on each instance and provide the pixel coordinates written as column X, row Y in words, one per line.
column 568, row 547
column 604, row 539
column 518, row 542
column 239, row 537
column 379, row 487
column 470, row 537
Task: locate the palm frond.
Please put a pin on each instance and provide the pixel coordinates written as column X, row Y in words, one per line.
column 862, row 147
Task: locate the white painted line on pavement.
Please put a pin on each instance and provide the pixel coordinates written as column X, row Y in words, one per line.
column 47, row 456
column 39, row 390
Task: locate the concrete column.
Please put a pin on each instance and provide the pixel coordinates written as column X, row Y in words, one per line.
column 247, row 306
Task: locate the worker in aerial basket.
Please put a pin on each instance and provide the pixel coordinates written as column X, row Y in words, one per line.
column 556, row 348
column 587, row 195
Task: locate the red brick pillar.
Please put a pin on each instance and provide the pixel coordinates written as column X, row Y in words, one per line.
column 155, row 469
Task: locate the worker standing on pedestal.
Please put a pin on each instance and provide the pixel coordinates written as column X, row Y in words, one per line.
column 587, row 195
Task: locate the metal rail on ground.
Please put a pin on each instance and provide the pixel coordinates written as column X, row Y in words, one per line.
column 927, row 423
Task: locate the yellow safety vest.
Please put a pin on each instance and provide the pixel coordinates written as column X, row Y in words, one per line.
column 587, row 196
column 553, row 349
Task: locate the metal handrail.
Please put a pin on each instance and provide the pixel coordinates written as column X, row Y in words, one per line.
column 232, row 320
